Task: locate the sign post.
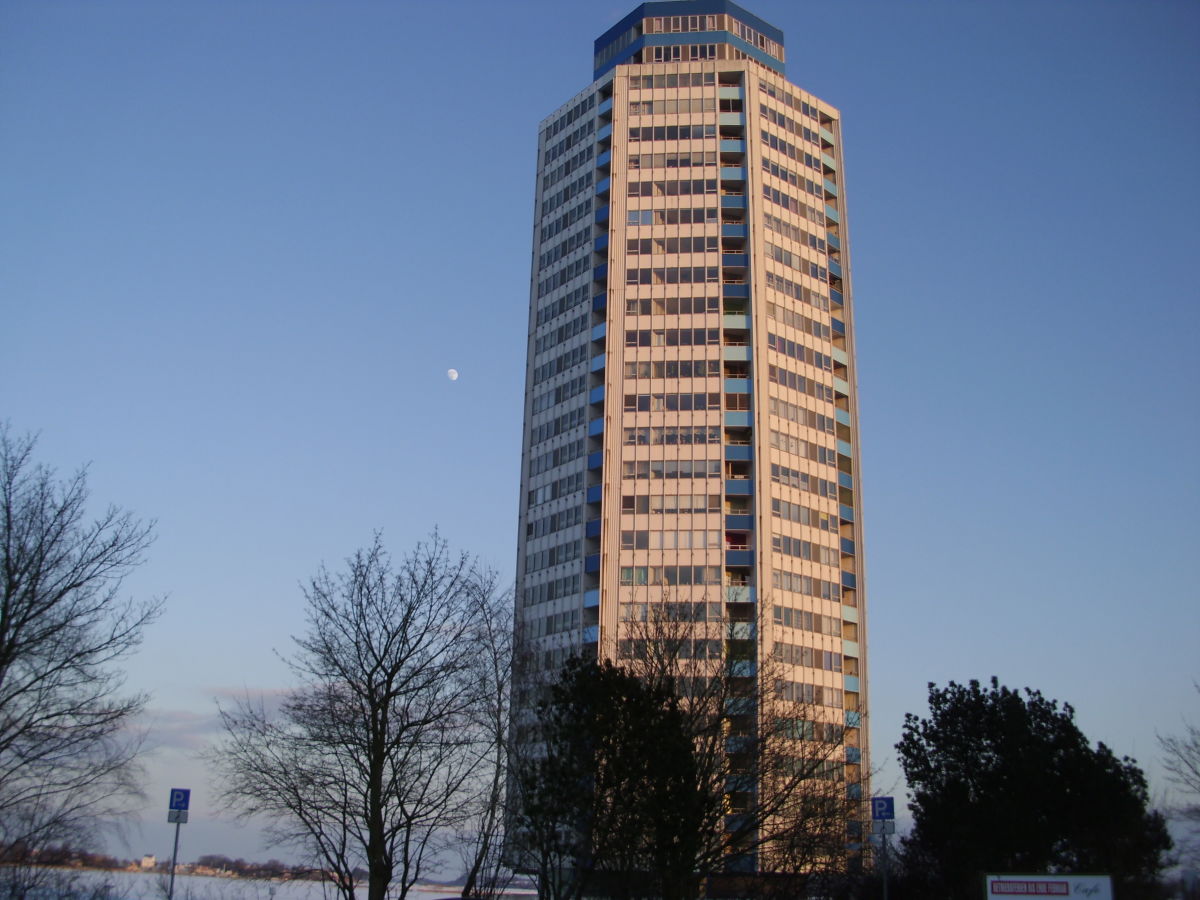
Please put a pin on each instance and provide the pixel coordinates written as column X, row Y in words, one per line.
column 177, row 812
column 883, row 815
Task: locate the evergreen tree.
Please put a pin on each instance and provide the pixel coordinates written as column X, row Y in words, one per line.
column 1002, row 782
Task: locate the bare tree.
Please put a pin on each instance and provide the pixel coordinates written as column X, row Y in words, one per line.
column 67, row 752
column 367, row 763
column 773, row 766
column 771, row 769
column 1181, row 759
column 480, row 837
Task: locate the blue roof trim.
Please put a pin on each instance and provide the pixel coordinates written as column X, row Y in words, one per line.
column 686, row 8
column 619, row 29
column 690, row 37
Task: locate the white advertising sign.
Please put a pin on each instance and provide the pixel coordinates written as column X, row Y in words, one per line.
column 1093, row 887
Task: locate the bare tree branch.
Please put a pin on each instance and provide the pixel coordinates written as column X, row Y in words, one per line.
column 1181, row 760
column 774, row 773
column 369, row 763
column 67, row 755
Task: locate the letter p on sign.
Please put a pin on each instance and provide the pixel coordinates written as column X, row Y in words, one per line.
column 179, row 798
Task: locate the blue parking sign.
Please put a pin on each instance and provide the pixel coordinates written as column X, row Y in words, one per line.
column 180, row 797
column 883, row 808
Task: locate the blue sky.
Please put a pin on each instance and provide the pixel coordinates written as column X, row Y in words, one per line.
column 241, row 244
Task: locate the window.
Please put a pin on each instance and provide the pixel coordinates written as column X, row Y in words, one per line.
column 671, row 402
column 672, row 337
column 681, row 435
column 671, row 216
column 672, row 160
column 672, row 132
column 673, row 275
column 672, row 306
column 673, row 368
column 698, row 244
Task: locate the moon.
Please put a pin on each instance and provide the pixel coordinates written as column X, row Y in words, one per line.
column 452, row 374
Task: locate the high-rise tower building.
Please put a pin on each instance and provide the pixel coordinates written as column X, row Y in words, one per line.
column 691, row 432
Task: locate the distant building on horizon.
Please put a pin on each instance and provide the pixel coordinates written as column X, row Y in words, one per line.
column 691, row 427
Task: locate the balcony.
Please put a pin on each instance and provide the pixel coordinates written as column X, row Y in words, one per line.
column 739, row 523
column 739, row 706
column 742, row 631
column 740, row 863
column 735, row 352
column 740, row 593
column 735, row 260
column 739, row 322
column 743, row 668
column 739, row 557
column 738, row 487
column 728, row 146
column 734, row 231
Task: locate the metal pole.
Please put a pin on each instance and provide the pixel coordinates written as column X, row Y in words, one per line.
column 885, row 864
column 175, row 854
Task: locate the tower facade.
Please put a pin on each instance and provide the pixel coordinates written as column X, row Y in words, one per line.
column 691, row 431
